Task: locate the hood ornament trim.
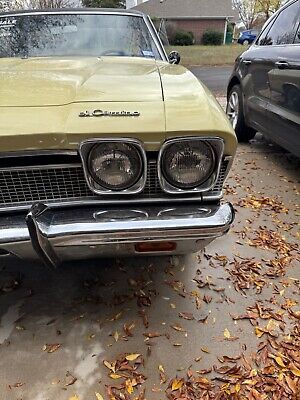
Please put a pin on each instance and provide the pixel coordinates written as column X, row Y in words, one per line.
column 100, row 113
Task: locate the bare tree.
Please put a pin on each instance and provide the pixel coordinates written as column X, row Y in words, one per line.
column 268, row 7
column 32, row 4
column 251, row 10
column 247, row 10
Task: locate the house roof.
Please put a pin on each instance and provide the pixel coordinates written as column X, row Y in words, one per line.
column 188, row 9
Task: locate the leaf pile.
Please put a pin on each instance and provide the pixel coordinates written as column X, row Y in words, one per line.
column 124, row 370
column 272, row 373
column 271, row 240
column 263, row 203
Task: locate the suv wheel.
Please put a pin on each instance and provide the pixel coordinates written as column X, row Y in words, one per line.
column 245, row 42
column 235, row 113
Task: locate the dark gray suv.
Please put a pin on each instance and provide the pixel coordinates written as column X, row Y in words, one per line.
column 264, row 88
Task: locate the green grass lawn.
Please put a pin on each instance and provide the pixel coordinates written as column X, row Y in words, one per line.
column 207, row 55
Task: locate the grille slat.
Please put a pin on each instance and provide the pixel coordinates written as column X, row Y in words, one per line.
column 25, row 185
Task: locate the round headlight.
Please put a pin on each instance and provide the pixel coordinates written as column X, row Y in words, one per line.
column 187, row 165
column 115, row 166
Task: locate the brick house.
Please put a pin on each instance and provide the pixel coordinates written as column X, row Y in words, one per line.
column 192, row 15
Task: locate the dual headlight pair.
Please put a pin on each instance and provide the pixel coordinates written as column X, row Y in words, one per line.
column 184, row 165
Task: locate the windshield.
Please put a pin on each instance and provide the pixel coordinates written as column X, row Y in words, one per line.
column 76, row 35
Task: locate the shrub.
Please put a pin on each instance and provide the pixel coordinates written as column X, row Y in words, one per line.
column 183, row 38
column 213, row 38
column 171, row 31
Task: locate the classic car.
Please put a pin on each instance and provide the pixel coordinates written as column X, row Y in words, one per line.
column 107, row 146
column 264, row 88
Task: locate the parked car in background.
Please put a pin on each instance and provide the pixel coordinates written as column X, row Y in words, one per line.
column 247, row 37
column 264, row 88
column 107, row 146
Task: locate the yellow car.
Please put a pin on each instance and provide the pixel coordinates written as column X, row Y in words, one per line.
column 107, row 146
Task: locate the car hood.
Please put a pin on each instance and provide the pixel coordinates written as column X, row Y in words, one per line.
column 57, row 81
column 42, row 100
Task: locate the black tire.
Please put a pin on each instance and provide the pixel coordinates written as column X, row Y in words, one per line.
column 243, row 132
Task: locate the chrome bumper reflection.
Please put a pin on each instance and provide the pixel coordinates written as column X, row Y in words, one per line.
column 52, row 232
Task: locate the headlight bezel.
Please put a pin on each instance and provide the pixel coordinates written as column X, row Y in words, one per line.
column 85, row 149
column 217, row 146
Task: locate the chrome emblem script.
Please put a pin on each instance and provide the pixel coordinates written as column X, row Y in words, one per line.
column 101, row 113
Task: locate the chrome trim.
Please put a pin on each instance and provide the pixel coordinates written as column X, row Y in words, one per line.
column 156, row 38
column 213, row 197
column 54, row 204
column 84, row 150
column 40, row 243
column 39, row 167
column 126, row 13
column 93, row 200
column 56, row 233
column 32, row 153
column 218, row 147
column 71, row 12
column 230, row 160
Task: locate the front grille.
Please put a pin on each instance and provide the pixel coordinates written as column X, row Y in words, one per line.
column 23, row 186
column 30, row 185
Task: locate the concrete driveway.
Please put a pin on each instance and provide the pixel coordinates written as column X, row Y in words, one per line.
column 215, row 78
column 62, row 331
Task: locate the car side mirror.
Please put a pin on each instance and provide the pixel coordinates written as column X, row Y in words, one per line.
column 174, row 57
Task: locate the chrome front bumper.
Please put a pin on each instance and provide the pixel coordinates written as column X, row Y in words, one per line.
column 56, row 235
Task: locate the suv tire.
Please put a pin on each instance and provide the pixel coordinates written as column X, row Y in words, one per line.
column 235, row 112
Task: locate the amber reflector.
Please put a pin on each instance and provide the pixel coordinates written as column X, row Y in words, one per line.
column 147, row 247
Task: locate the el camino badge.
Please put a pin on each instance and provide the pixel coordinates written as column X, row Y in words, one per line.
column 101, row 113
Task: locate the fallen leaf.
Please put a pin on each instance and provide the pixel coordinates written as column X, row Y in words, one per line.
column 178, row 328
column 51, row 348
column 295, row 371
column 129, row 386
column 132, row 357
column 115, row 376
column 116, row 317
column 187, row 316
column 152, row 335
column 70, row 379
column 280, row 362
column 177, row 384
column 205, row 350
column 227, row 334
column 110, row 366
column 98, row 396
column 16, row 385
column 161, row 368
column 259, row 332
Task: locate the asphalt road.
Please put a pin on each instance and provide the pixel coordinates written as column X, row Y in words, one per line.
column 57, row 328
column 215, row 78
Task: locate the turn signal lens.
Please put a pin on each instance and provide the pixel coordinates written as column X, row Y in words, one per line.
column 149, row 247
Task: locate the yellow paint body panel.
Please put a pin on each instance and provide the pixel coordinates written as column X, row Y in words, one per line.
column 41, row 99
